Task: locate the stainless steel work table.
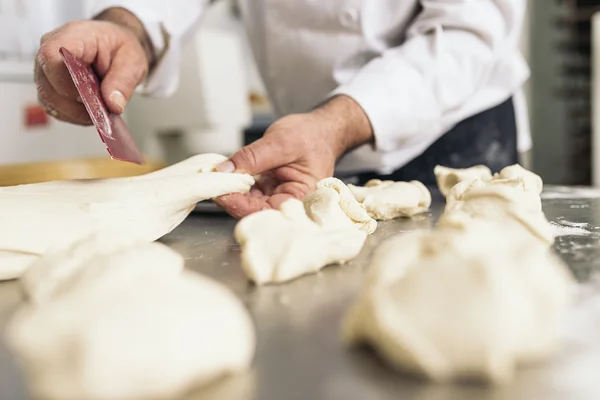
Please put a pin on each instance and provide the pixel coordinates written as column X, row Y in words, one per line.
column 300, row 355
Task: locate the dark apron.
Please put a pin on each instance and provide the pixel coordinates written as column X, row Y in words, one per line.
column 488, row 138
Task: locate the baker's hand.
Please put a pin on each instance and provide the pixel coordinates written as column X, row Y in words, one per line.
column 295, row 153
column 117, row 46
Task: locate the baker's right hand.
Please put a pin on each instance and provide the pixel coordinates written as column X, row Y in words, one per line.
column 117, row 46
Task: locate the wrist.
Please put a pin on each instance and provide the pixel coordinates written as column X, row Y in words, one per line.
column 129, row 21
column 346, row 124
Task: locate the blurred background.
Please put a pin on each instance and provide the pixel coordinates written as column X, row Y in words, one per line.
column 223, row 104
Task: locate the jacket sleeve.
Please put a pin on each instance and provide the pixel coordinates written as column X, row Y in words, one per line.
column 450, row 50
column 170, row 24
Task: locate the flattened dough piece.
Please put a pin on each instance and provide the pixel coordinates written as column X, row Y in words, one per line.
column 333, row 206
column 120, row 328
column 448, row 177
column 41, row 216
column 461, row 302
column 280, row 245
column 506, row 205
column 388, row 199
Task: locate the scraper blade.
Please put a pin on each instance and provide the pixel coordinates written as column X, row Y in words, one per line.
column 111, row 127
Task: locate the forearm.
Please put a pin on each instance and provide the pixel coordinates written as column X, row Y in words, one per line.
column 347, row 124
column 413, row 91
column 127, row 19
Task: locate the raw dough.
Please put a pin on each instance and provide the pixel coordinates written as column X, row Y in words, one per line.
column 528, row 199
column 506, row 205
column 513, row 176
column 468, row 300
column 388, row 199
column 531, row 181
column 332, row 205
column 448, row 177
column 129, row 326
column 280, row 245
column 39, row 216
column 453, row 182
column 61, row 269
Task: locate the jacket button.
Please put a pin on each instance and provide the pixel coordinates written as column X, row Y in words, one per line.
column 349, row 18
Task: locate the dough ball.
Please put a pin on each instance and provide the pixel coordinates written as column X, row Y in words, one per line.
column 280, row 245
column 532, row 182
column 448, row 177
column 505, row 205
column 528, row 199
column 333, row 206
column 388, row 199
column 461, row 301
column 128, row 327
column 60, row 270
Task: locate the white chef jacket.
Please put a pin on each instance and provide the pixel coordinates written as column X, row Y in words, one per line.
column 416, row 67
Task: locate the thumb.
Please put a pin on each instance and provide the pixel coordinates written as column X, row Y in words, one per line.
column 128, row 69
column 258, row 157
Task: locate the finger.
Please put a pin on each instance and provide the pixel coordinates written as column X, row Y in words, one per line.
column 238, row 205
column 62, row 108
column 295, row 189
column 47, row 36
column 263, row 155
column 267, row 184
column 57, row 74
column 255, row 192
column 276, row 200
column 128, row 69
column 74, row 38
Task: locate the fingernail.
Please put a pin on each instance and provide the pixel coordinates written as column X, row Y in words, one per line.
column 50, row 110
column 118, row 99
column 227, row 166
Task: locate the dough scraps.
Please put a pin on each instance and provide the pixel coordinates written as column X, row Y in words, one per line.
column 333, row 206
column 454, row 182
column 388, row 199
column 528, row 199
column 448, row 177
column 532, row 182
column 280, row 245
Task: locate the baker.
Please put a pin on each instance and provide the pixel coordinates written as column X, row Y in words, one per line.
column 383, row 88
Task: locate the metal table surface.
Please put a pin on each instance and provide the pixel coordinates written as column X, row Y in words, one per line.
column 300, row 355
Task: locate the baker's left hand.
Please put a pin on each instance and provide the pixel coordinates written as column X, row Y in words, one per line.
column 295, row 153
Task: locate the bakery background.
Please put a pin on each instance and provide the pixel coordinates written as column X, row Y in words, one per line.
column 223, row 104
column 220, row 109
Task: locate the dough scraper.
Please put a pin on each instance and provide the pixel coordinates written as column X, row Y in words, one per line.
column 112, row 128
